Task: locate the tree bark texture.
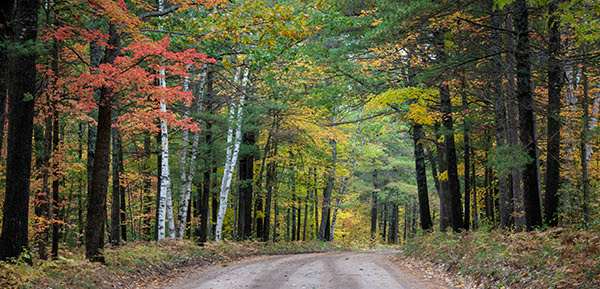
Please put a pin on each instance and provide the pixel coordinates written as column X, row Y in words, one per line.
column 421, row 175
column 553, row 158
column 324, row 229
column 246, row 177
column 96, row 215
column 533, row 216
column 21, row 92
column 505, row 198
column 235, row 123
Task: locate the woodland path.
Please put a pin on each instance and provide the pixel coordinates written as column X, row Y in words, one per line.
column 351, row 270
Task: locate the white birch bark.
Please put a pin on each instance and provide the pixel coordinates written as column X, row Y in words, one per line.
column 165, row 200
column 235, row 120
column 187, row 171
column 165, row 181
column 593, row 121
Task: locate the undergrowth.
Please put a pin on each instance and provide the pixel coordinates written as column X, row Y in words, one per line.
column 556, row 258
column 134, row 264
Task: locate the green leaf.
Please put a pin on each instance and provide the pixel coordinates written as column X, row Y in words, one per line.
column 27, row 97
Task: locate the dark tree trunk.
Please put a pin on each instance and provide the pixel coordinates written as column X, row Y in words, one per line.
column 159, row 192
column 298, row 219
column 305, row 219
column 444, row 192
column 203, row 206
column 451, row 161
column 467, row 156
column 96, row 215
column 275, row 223
column 316, row 200
column 421, row 175
column 5, row 14
column 214, row 206
column 21, row 91
column 115, row 216
column 123, row 200
column 147, row 198
column 504, row 196
column 324, row 229
column 585, row 181
column 554, row 102
column 374, row 208
column 455, row 213
column 246, row 177
column 42, row 209
column 516, row 177
column 270, row 182
column 475, row 206
column 56, row 201
column 393, row 231
column 533, row 216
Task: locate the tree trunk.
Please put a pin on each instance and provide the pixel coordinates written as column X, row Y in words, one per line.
column 147, row 199
column 5, row 33
column 305, row 219
column 505, row 199
column 246, row 179
column 115, row 216
column 270, row 183
column 324, row 229
column 122, row 190
column 96, row 216
column 188, row 171
column 515, row 177
column 42, row 209
column 374, row 208
column 585, row 182
column 553, row 158
column 475, row 203
column 533, row 217
column 421, row 176
column 21, row 92
column 444, row 191
column 235, row 120
column 56, row 202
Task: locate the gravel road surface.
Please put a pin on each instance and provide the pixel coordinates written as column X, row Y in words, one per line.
column 349, row 270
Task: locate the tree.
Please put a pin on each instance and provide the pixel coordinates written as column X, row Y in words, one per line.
column 553, row 159
column 21, row 98
column 235, row 123
column 533, row 216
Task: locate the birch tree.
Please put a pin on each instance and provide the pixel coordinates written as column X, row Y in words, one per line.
column 235, row 122
column 188, row 170
column 165, row 203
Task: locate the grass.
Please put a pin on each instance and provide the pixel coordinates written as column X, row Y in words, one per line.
column 556, row 258
column 134, row 264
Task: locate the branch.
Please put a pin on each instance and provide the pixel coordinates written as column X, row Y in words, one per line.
column 172, row 32
column 357, row 120
column 486, row 26
column 159, row 13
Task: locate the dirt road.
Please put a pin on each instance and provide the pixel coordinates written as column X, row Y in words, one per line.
column 351, row 270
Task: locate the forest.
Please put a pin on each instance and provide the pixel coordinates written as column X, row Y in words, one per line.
column 353, row 122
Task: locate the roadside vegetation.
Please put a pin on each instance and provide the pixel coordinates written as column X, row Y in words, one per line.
column 556, row 258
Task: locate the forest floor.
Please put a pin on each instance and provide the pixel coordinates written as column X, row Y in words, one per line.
column 554, row 258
